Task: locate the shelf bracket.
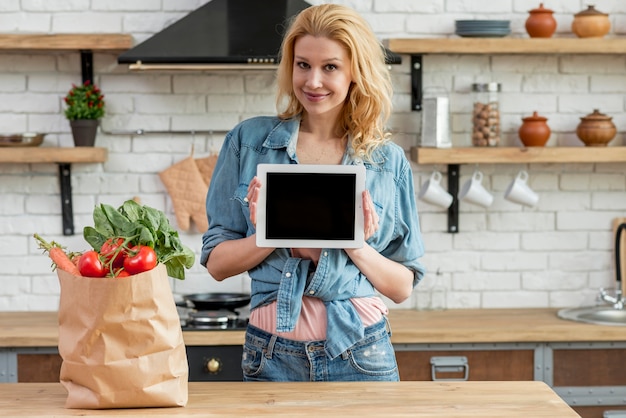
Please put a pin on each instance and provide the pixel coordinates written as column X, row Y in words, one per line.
column 453, row 189
column 65, row 180
column 416, row 82
column 86, row 65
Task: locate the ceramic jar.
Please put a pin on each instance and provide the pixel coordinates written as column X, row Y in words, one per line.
column 591, row 23
column 596, row 129
column 534, row 131
column 540, row 23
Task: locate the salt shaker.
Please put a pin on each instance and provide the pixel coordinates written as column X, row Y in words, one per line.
column 486, row 114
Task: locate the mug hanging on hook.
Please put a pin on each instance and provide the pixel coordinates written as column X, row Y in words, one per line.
column 520, row 192
column 432, row 192
column 474, row 192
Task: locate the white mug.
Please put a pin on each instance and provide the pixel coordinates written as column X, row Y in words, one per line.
column 433, row 193
column 519, row 191
column 474, row 192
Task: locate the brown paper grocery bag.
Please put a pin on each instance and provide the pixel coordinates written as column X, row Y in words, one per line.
column 121, row 342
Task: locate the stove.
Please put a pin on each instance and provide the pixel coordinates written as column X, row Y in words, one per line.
column 206, row 320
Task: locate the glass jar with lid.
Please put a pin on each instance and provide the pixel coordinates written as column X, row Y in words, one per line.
column 486, row 114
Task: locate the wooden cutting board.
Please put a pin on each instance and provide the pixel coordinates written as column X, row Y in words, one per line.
column 616, row 223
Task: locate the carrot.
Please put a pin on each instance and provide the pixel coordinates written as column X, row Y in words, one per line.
column 58, row 256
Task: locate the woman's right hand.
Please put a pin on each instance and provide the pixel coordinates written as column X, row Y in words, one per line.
column 252, row 198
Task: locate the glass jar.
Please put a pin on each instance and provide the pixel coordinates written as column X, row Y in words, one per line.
column 486, row 114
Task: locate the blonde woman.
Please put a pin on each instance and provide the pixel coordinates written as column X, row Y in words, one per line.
column 334, row 93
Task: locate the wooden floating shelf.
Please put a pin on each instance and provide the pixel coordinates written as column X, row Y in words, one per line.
column 518, row 155
column 66, row 42
column 507, row 45
column 58, row 155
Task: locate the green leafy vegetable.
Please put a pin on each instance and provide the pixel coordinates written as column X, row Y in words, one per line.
column 141, row 225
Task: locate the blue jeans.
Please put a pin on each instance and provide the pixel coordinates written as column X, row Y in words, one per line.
column 267, row 357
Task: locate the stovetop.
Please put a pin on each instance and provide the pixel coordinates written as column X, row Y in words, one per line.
column 219, row 320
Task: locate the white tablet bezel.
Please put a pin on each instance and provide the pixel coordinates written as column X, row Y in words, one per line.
column 357, row 170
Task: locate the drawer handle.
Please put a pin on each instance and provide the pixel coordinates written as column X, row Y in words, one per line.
column 439, row 365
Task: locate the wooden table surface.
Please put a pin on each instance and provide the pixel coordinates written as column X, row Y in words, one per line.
column 364, row 399
column 40, row 329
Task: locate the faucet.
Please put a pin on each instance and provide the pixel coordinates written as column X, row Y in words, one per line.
column 618, row 300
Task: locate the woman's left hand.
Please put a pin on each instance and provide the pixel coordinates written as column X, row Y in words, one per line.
column 370, row 217
column 253, row 197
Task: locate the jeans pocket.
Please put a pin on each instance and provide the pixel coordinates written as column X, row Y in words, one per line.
column 376, row 358
column 252, row 360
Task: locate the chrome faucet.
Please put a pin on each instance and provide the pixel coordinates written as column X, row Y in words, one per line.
column 618, row 300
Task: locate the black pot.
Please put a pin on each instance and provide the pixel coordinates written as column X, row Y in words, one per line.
column 217, row 301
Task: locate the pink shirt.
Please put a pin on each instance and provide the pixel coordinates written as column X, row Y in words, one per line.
column 311, row 325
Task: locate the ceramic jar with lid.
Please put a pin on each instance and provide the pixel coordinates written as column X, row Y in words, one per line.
column 596, row 129
column 534, row 131
column 540, row 23
column 486, row 114
column 591, row 23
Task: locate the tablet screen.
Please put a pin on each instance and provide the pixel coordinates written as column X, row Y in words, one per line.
column 310, row 206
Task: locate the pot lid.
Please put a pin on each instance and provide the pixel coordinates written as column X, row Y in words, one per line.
column 541, row 9
column 591, row 11
column 535, row 118
column 596, row 115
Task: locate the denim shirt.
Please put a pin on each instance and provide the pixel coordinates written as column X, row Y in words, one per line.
column 287, row 279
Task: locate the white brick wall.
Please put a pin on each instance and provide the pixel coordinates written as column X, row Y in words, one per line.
column 556, row 254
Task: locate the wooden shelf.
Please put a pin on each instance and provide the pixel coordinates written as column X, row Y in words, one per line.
column 507, row 45
column 53, row 155
column 518, row 155
column 66, row 42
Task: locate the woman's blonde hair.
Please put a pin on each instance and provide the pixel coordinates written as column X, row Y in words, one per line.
column 368, row 104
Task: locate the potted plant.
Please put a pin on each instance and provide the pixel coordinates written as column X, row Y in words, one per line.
column 85, row 108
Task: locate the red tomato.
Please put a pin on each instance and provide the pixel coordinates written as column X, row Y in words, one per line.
column 90, row 265
column 139, row 259
column 112, row 250
column 121, row 273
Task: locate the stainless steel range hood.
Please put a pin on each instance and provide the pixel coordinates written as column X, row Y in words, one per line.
column 222, row 34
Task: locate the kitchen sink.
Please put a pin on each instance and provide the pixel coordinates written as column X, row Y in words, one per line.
column 599, row 315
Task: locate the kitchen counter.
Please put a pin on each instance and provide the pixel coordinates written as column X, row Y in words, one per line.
column 40, row 329
column 388, row 399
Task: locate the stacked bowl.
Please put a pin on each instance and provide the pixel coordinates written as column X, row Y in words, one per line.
column 483, row 28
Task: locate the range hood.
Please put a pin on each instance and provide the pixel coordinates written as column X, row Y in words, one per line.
column 222, row 34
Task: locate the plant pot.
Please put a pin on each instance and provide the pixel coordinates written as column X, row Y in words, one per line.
column 84, row 132
column 534, row 132
column 596, row 129
column 540, row 23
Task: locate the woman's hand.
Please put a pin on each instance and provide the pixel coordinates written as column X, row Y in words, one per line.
column 370, row 217
column 252, row 198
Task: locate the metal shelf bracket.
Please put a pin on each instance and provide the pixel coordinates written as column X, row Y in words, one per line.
column 416, row 82
column 453, row 189
column 86, row 65
column 65, row 180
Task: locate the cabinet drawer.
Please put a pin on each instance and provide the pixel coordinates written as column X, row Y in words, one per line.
column 483, row 364
column 38, row 368
column 589, row 367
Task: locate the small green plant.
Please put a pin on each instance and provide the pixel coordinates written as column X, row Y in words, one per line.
column 84, row 101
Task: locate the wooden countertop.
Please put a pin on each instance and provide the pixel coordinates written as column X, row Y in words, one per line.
column 380, row 399
column 40, row 329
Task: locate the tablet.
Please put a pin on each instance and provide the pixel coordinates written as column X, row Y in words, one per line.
column 310, row 206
